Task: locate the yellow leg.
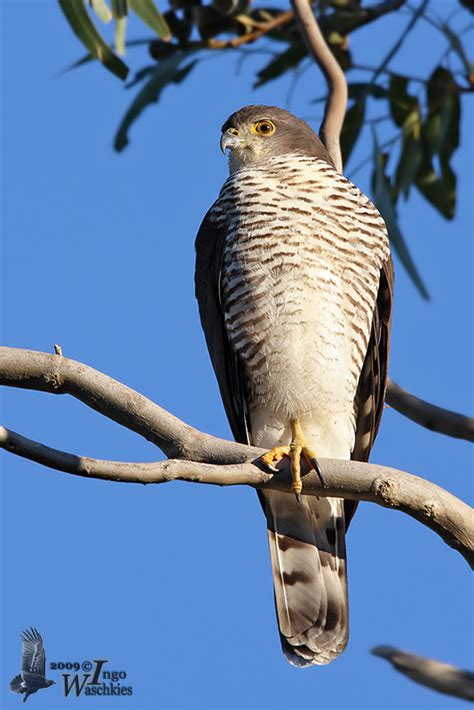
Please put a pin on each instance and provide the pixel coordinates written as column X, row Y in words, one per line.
column 295, row 450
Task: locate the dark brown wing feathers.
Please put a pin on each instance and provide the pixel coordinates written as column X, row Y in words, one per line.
column 373, row 378
column 209, row 253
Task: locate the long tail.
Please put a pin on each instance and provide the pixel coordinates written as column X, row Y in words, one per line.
column 308, row 557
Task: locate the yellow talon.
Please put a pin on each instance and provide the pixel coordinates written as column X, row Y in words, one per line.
column 275, row 455
column 294, row 451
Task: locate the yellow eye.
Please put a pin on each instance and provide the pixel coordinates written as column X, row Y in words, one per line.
column 265, row 127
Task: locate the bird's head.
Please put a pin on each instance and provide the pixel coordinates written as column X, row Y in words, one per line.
column 254, row 134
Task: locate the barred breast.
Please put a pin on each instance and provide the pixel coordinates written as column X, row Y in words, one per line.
column 300, row 275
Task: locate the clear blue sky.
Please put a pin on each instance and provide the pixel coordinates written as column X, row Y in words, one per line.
column 173, row 583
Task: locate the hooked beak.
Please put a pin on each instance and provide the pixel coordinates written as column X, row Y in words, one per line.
column 230, row 140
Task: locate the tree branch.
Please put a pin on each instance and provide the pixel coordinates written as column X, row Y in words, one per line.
column 429, row 415
column 441, row 677
column 396, row 47
column 335, row 109
column 29, row 369
column 264, row 28
column 55, row 374
column 431, row 505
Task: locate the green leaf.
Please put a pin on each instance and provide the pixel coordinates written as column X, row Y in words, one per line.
column 180, row 27
column 359, row 90
column 440, row 136
column 346, row 21
column 289, row 59
column 411, row 158
column 160, row 50
column 102, row 10
column 404, row 109
column 119, row 8
column 351, row 128
column 83, row 27
column 441, row 128
column 439, row 191
column 140, row 75
column 210, row 23
column 344, row 4
column 383, row 200
column 151, row 16
column 227, row 7
column 120, row 29
column 88, row 58
column 167, row 72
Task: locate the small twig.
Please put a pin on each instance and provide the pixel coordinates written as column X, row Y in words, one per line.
column 388, row 72
column 283, row 19
column 369, row 158
column 429, row 415
column 452, row 38
column 431, row 505
column 441, row 677
column 398, row 44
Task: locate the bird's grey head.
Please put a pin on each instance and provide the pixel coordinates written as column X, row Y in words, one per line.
column 254, row 134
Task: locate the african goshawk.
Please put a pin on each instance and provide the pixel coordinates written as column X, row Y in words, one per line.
column 294, row 281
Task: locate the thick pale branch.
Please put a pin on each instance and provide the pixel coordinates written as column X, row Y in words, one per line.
column 441, row 677
column 428, row 415
column 335, row 108
column 431, row 505
column 29, row 369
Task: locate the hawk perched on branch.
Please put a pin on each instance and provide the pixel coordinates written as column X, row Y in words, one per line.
column 294, row 281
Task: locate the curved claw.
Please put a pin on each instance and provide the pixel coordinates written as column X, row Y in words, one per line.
column 317, row 468
column 274, row 456
column 294, row 451
column 270, row 467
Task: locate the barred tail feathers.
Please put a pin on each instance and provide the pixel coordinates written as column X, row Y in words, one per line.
column 308, row 557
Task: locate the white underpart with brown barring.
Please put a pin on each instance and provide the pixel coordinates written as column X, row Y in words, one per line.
column 300, row 276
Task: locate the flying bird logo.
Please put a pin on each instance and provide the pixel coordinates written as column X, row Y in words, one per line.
column 33, row 665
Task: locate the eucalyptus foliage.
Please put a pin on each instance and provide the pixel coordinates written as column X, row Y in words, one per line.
column 424, row 111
